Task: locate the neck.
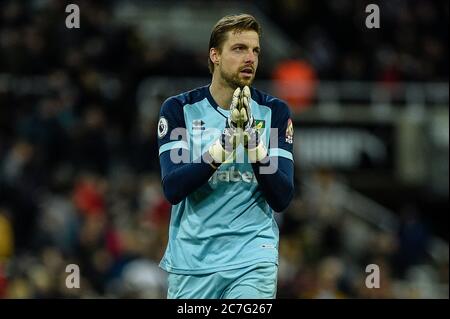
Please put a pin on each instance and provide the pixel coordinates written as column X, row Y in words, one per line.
column 221, row 92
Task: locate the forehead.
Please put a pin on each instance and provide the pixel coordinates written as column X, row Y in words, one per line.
column 248, row 37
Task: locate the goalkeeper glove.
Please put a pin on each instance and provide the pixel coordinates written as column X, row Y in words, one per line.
column 255, row 147
column 222, row 149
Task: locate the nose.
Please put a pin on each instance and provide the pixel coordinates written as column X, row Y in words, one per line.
column 250, row 57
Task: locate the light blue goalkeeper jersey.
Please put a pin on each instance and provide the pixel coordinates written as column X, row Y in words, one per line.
column 226, row 223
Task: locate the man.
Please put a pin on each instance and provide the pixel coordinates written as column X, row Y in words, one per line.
column 226, row 174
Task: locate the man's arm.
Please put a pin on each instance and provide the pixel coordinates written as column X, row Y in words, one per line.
column 278, row 186
column 180, row 180
column 181, row 177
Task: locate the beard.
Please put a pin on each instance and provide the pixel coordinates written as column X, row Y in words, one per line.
column 234, row 80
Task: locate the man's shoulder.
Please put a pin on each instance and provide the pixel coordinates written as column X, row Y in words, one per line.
column 186, row 98
column 263, row 98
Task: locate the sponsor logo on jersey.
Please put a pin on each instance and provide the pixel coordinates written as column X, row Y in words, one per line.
column 232, row 175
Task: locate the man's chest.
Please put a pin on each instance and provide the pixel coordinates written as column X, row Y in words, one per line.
column 204, row 126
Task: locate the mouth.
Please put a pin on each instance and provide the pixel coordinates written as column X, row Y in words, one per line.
column 247, row 71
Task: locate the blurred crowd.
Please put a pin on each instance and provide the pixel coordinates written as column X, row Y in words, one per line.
column 411, row 44
column 79, row 171
column 326, row 251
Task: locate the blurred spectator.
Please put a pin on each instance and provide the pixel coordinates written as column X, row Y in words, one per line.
column 89, row 195
column 6, row 237
column 413, row 241
column 295, row 82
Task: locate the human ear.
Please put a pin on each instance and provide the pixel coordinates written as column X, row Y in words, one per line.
column 214, row 55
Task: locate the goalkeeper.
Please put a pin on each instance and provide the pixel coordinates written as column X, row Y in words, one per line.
column 223, row 237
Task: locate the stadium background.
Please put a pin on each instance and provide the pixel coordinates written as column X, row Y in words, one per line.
column 79, row 171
